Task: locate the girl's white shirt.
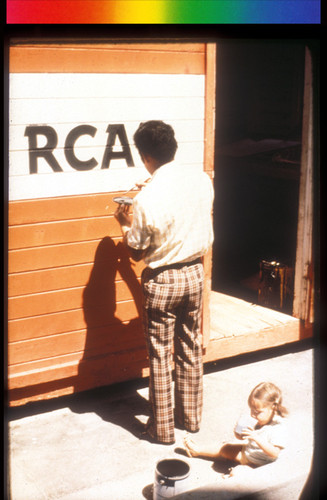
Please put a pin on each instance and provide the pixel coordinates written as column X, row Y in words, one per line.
column 275, row 433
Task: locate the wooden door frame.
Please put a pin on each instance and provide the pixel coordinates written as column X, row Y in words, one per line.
column 303, row 303
column 209, row 162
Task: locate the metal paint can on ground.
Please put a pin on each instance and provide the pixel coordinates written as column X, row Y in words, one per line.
column 171, row 478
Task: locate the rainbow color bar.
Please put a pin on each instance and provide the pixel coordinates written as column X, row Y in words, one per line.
column 163, row 12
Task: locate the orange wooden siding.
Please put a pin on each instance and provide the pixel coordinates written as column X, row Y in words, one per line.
column 74, row 296
column 103, row 58
column 84, row 303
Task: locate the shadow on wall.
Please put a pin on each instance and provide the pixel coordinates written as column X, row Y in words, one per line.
column 114, row 349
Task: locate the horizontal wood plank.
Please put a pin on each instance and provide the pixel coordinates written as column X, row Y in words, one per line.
column 35, row 235
column 108, row 59
column 100, row 370
column 106, row 293
column 169, row 108
column 62, row 208
column 88, row 343
column 70, row 365
column 67, row 321
column 53, row 256
column 114, row 45
column 131, row 86
column 89, row 375
column 31, row 282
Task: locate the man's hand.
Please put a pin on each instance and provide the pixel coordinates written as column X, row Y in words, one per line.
column 141, row 185
column 125, row 221
column 122, row 215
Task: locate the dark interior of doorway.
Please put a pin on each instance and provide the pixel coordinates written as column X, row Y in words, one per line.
column 257, row 162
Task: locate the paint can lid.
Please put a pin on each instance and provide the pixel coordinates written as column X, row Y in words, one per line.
column 123, row 200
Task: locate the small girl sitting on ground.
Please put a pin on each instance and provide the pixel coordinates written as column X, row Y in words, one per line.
column 262, row 442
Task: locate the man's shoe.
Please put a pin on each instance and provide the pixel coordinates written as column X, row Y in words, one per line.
column 147, row 435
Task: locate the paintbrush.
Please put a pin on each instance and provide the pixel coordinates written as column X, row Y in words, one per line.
column 136, row 186
column 125, row 200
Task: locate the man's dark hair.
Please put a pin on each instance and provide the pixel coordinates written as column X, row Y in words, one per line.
column 156, row 139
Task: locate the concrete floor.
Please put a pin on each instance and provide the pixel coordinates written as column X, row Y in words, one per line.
column 87, row 447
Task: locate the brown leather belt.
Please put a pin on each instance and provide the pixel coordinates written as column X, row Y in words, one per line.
column 177, row 265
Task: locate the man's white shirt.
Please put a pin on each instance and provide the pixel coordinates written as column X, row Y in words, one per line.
column 172, row 216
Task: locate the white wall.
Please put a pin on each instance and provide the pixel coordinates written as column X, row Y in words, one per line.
column 64, row 101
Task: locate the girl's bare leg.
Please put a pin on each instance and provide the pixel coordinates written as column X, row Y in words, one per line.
column 190, row 447
column 231, row 451
column 228, row 451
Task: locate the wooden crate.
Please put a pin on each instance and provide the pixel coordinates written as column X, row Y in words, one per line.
column 74, row 296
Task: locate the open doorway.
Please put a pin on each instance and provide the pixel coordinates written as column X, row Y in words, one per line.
column 260, row 87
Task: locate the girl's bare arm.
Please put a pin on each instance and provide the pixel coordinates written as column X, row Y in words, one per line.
column 270, row 449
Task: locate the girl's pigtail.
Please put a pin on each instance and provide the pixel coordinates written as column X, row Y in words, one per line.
column 280, row 409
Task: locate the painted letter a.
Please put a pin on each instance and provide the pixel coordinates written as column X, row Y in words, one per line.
column 109, row 154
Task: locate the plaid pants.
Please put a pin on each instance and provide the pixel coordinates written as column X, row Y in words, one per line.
column 172, row 320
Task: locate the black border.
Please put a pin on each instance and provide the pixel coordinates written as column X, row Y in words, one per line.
column 312, row 36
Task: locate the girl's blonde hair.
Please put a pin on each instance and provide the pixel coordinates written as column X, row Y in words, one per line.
column 268, row 393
